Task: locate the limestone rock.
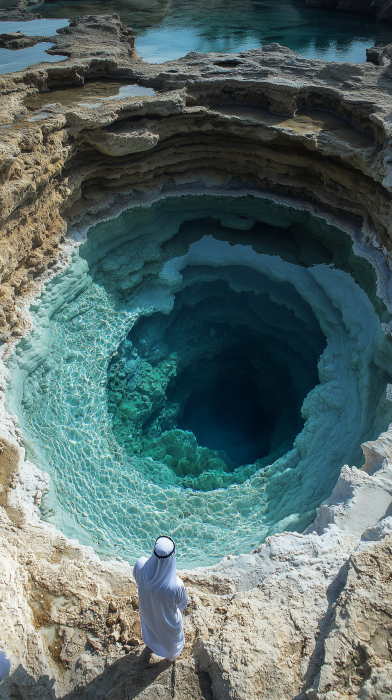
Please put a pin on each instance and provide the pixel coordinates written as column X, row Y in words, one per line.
column 358, row 661
column 122, row 142
column 191, row 107
column 18, row 40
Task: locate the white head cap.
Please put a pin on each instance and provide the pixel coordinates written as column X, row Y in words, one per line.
column 164, row 547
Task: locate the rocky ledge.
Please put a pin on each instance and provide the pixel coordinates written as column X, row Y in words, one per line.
column 17, row 12
column 305, row 615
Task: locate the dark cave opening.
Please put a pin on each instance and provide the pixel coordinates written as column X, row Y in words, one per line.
column 229, row 417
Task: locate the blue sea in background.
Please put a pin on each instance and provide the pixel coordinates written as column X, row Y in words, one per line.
column 167, row 29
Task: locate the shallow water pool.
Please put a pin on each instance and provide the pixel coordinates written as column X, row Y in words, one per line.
column 12, row 61
column 92, row 94
column 35, row 27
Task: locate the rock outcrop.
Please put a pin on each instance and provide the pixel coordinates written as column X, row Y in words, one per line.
column 357, row 660
column 17, row 13
column 18, row 40
column 303, row 616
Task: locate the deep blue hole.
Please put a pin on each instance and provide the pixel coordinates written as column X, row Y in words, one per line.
column 229, row 417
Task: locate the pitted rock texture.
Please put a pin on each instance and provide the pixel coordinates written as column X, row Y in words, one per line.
column 358, row 650
column 17, row 12
column 18, row 40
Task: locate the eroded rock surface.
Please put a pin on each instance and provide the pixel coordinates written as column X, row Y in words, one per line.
column 18, row 40
column 357, row 659
column 17, row 12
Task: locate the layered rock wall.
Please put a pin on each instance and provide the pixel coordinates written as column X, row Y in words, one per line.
column 263, row 105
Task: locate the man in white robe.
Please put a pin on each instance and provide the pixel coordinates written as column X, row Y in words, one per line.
column 162, row 597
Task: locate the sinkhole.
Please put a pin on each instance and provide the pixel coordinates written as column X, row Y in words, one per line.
column 218, row 382
column 205, row 365
column 228, row 417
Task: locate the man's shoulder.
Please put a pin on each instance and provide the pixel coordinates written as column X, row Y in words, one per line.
column 139, row 565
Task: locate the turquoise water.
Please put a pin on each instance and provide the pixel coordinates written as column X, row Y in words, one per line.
column 168, row 30
column 187, row 254
column 35, row 27
column 11, row 61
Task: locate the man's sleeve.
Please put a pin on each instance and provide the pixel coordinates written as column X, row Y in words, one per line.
column 139, row 565
column 182, row 599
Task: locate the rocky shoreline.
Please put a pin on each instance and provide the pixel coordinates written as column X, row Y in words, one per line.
column 17, row 13
column 303, row 616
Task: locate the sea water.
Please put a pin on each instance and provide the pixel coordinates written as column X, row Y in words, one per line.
column 16, row 60
column 168, row 30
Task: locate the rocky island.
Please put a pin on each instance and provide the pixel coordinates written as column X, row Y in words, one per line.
column 306, row 612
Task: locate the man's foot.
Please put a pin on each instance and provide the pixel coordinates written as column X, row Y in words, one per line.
column 144, row 658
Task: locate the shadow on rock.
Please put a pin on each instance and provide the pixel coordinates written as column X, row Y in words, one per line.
column 129, row 677
column 317, row 658
column 21, row 686
column 136, row 675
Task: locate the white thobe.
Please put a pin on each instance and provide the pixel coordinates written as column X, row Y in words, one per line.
column 162, row 597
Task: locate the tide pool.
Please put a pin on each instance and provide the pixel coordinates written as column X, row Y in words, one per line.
column 12, row 61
